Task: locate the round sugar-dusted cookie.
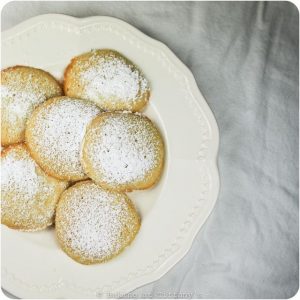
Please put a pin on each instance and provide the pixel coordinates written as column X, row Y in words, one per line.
column 93, row 225
column 54, row 134
column 123, row 151
column 107, row 78
column 28, row 195
column 22, row 89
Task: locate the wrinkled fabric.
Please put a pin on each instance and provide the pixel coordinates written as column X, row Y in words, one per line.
column 244, row 56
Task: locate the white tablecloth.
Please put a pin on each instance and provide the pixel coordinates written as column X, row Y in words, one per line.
column 244, row 56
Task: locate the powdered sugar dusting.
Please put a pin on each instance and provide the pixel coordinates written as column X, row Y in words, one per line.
column 19, row 104
column 125, row 148
column 22, row 90
column 18, row 174
column 58, row 132
column 26, row 191
column 112, row 77
column 91, row 221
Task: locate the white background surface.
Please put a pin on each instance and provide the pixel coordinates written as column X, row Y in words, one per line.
column 244, row 57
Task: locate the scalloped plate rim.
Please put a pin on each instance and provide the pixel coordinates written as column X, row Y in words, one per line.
column 201, row 103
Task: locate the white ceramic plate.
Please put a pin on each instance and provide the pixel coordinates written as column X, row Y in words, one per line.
column 33, row 265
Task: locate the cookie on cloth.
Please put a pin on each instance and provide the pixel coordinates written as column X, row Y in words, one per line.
column 22, row 89
column 28, row 195
column 94, row 225
column 108, row 79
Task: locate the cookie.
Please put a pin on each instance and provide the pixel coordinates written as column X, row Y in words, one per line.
column 94, row 225
column 22, row 89
column 28, row 195
column 108, row 79
column 123, row 151
column 54, row 134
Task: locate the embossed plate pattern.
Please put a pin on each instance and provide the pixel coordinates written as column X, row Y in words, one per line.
column 33, row 266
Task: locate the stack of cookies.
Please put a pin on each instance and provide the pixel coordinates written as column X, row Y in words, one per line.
column 71, row 153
